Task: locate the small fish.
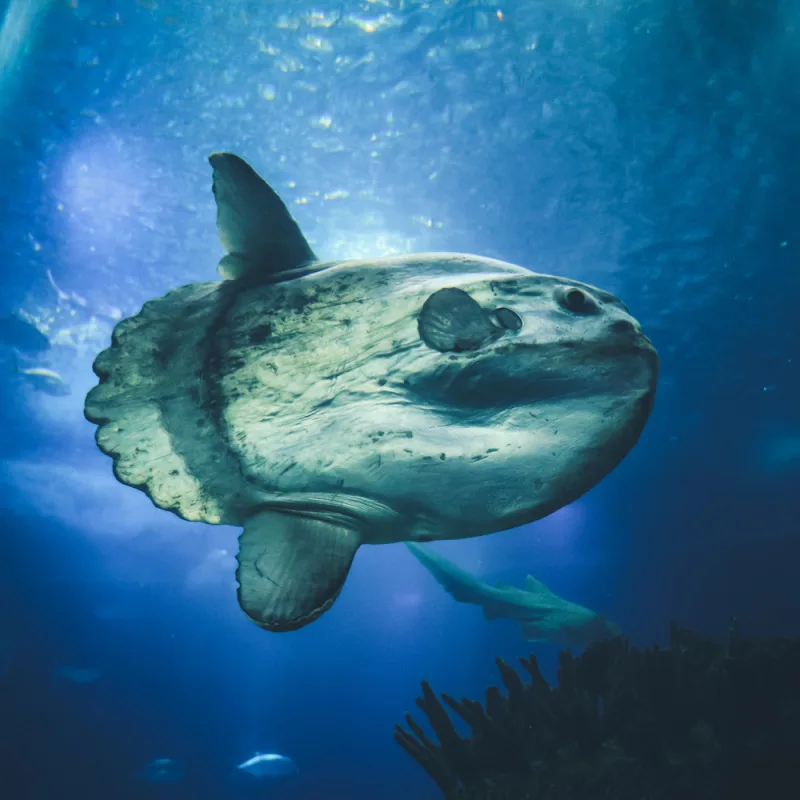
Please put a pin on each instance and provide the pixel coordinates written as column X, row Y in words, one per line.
column 46, row 380
column 19, row 333
column 162, row 770
column 268, row 765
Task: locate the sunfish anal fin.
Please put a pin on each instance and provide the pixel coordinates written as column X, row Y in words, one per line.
column 259, row 235
column 292, row 567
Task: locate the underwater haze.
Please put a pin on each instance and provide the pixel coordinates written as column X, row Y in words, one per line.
column 645, row 147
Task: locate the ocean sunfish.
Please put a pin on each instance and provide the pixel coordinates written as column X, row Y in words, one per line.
column 321, row 406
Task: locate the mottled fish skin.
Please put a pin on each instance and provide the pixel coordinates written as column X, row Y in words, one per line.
column 152, row 391
column 318, row 393
column 326, row 405
column 342, row 402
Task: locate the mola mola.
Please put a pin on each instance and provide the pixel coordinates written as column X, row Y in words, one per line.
column 325, row 405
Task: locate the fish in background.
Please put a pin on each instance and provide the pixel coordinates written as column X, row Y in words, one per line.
column 542, row 615
column 267, row 765
column 22, row 335
column 161, row 770
column 259, row 767
column 42, row 379
column 20, row 342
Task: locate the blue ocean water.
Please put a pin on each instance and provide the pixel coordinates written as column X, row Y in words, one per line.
column 645, row 147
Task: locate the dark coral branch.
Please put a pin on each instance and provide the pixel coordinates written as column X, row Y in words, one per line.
column 696, row 719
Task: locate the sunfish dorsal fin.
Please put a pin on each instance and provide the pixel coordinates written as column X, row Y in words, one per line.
column 535, row 586
column 259, row 235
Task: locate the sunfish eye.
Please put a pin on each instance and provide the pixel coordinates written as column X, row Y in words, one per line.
column 505, row 318
column 576, row 301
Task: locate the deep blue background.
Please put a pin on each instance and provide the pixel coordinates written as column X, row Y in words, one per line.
column 648, row 147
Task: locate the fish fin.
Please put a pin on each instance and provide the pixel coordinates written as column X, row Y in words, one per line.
column 535, row 586
column 451, row 321
column 292, row 567
column 259, row 235
column 458, row 583
column 152, row 415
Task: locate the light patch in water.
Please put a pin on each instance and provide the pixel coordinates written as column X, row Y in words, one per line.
column 217, row 567
column 103, row 182
column 17, row 38
column 347, row 244
column 85, row 498
column 82, row 675
column 778, row 452
column 408, row 599
column 561, row 528
column 268, row 765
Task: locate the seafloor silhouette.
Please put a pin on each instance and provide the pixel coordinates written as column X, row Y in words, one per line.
column 695, row 720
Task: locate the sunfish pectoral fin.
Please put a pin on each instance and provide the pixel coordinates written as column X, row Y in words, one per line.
column 451, row 321
column 255, row 228
column 292, row 567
